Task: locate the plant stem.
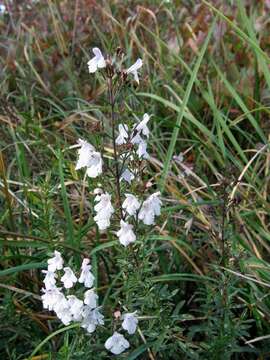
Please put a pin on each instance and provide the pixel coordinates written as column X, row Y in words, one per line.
column 113, row 122
column 223, row 209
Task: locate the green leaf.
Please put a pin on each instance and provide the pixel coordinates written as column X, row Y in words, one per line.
column 181, row 277
column 70, row 231
column 51, row 336
column 182, row 110
column 23, row 267
column 140, row 350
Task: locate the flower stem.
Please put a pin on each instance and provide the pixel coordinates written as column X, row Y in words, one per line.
column 116, row 165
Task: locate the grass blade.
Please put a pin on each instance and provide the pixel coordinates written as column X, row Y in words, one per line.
column 67, row 211
column 182, row 110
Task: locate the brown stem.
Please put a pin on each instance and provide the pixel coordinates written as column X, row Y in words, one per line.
column 113, row 122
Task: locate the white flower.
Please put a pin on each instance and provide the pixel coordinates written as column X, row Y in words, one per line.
column 56, row 262
column 50, row 279
column 97, row 62
column 123, row 134
column 131, row 204
column 65, row 316
column 2, row 8
column 142, row 126
column 95, row 165
column 126, row 234
column 62, row 310
column 75, row 307
column 91, row 318
column 150, row 208
column 91, row 298
column 98, row 317
column 104, row 211
column 51, row 297
column 85, row 153
column 89, row 158
column 134, row 69
column 86, row 277
column 130, row 322
column 69, row 278
column 142, row 146
column 116, row 343
column 127, row 176
column 59, row 304
column 142, row 150
column 156, row 202
column 137, row 139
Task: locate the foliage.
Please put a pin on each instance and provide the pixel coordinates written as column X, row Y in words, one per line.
column 203, row 275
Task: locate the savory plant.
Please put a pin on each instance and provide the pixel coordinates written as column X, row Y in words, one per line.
column 121, row 207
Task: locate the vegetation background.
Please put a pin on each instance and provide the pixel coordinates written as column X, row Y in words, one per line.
column 206, row 80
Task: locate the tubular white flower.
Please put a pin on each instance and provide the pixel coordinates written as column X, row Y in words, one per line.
column 142, row 146
column 133, row 69
column 69, row 278
column 142, row 150
column 142, row 127
column 156, row 202
column 123, row 134
column 97, row 316
column 131, row 204
column 117, row 343
column 150, row 208
column 85, row 151
column 97, row 62
column 75, row 307
column 56, row 262
column 104, row 211
column 50, row 279
column 127, row 176
column 95, row 165
column 65, row 316
column 61, row 303
column 91, row 298
column 86, row 277
column 130, row 322
column 125, row 234
column 51, row 297
column 62, row 310
column 2, row 8
column 89, row 158
column 91, row 318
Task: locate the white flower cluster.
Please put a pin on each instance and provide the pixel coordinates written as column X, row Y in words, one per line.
column 69, row 308
column 146, row 211
column 90, row 159
column 137, row 136
column 72, row 309
column 98, row 62
column 117, row 343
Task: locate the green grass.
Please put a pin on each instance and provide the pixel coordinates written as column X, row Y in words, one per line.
column 204, row 289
